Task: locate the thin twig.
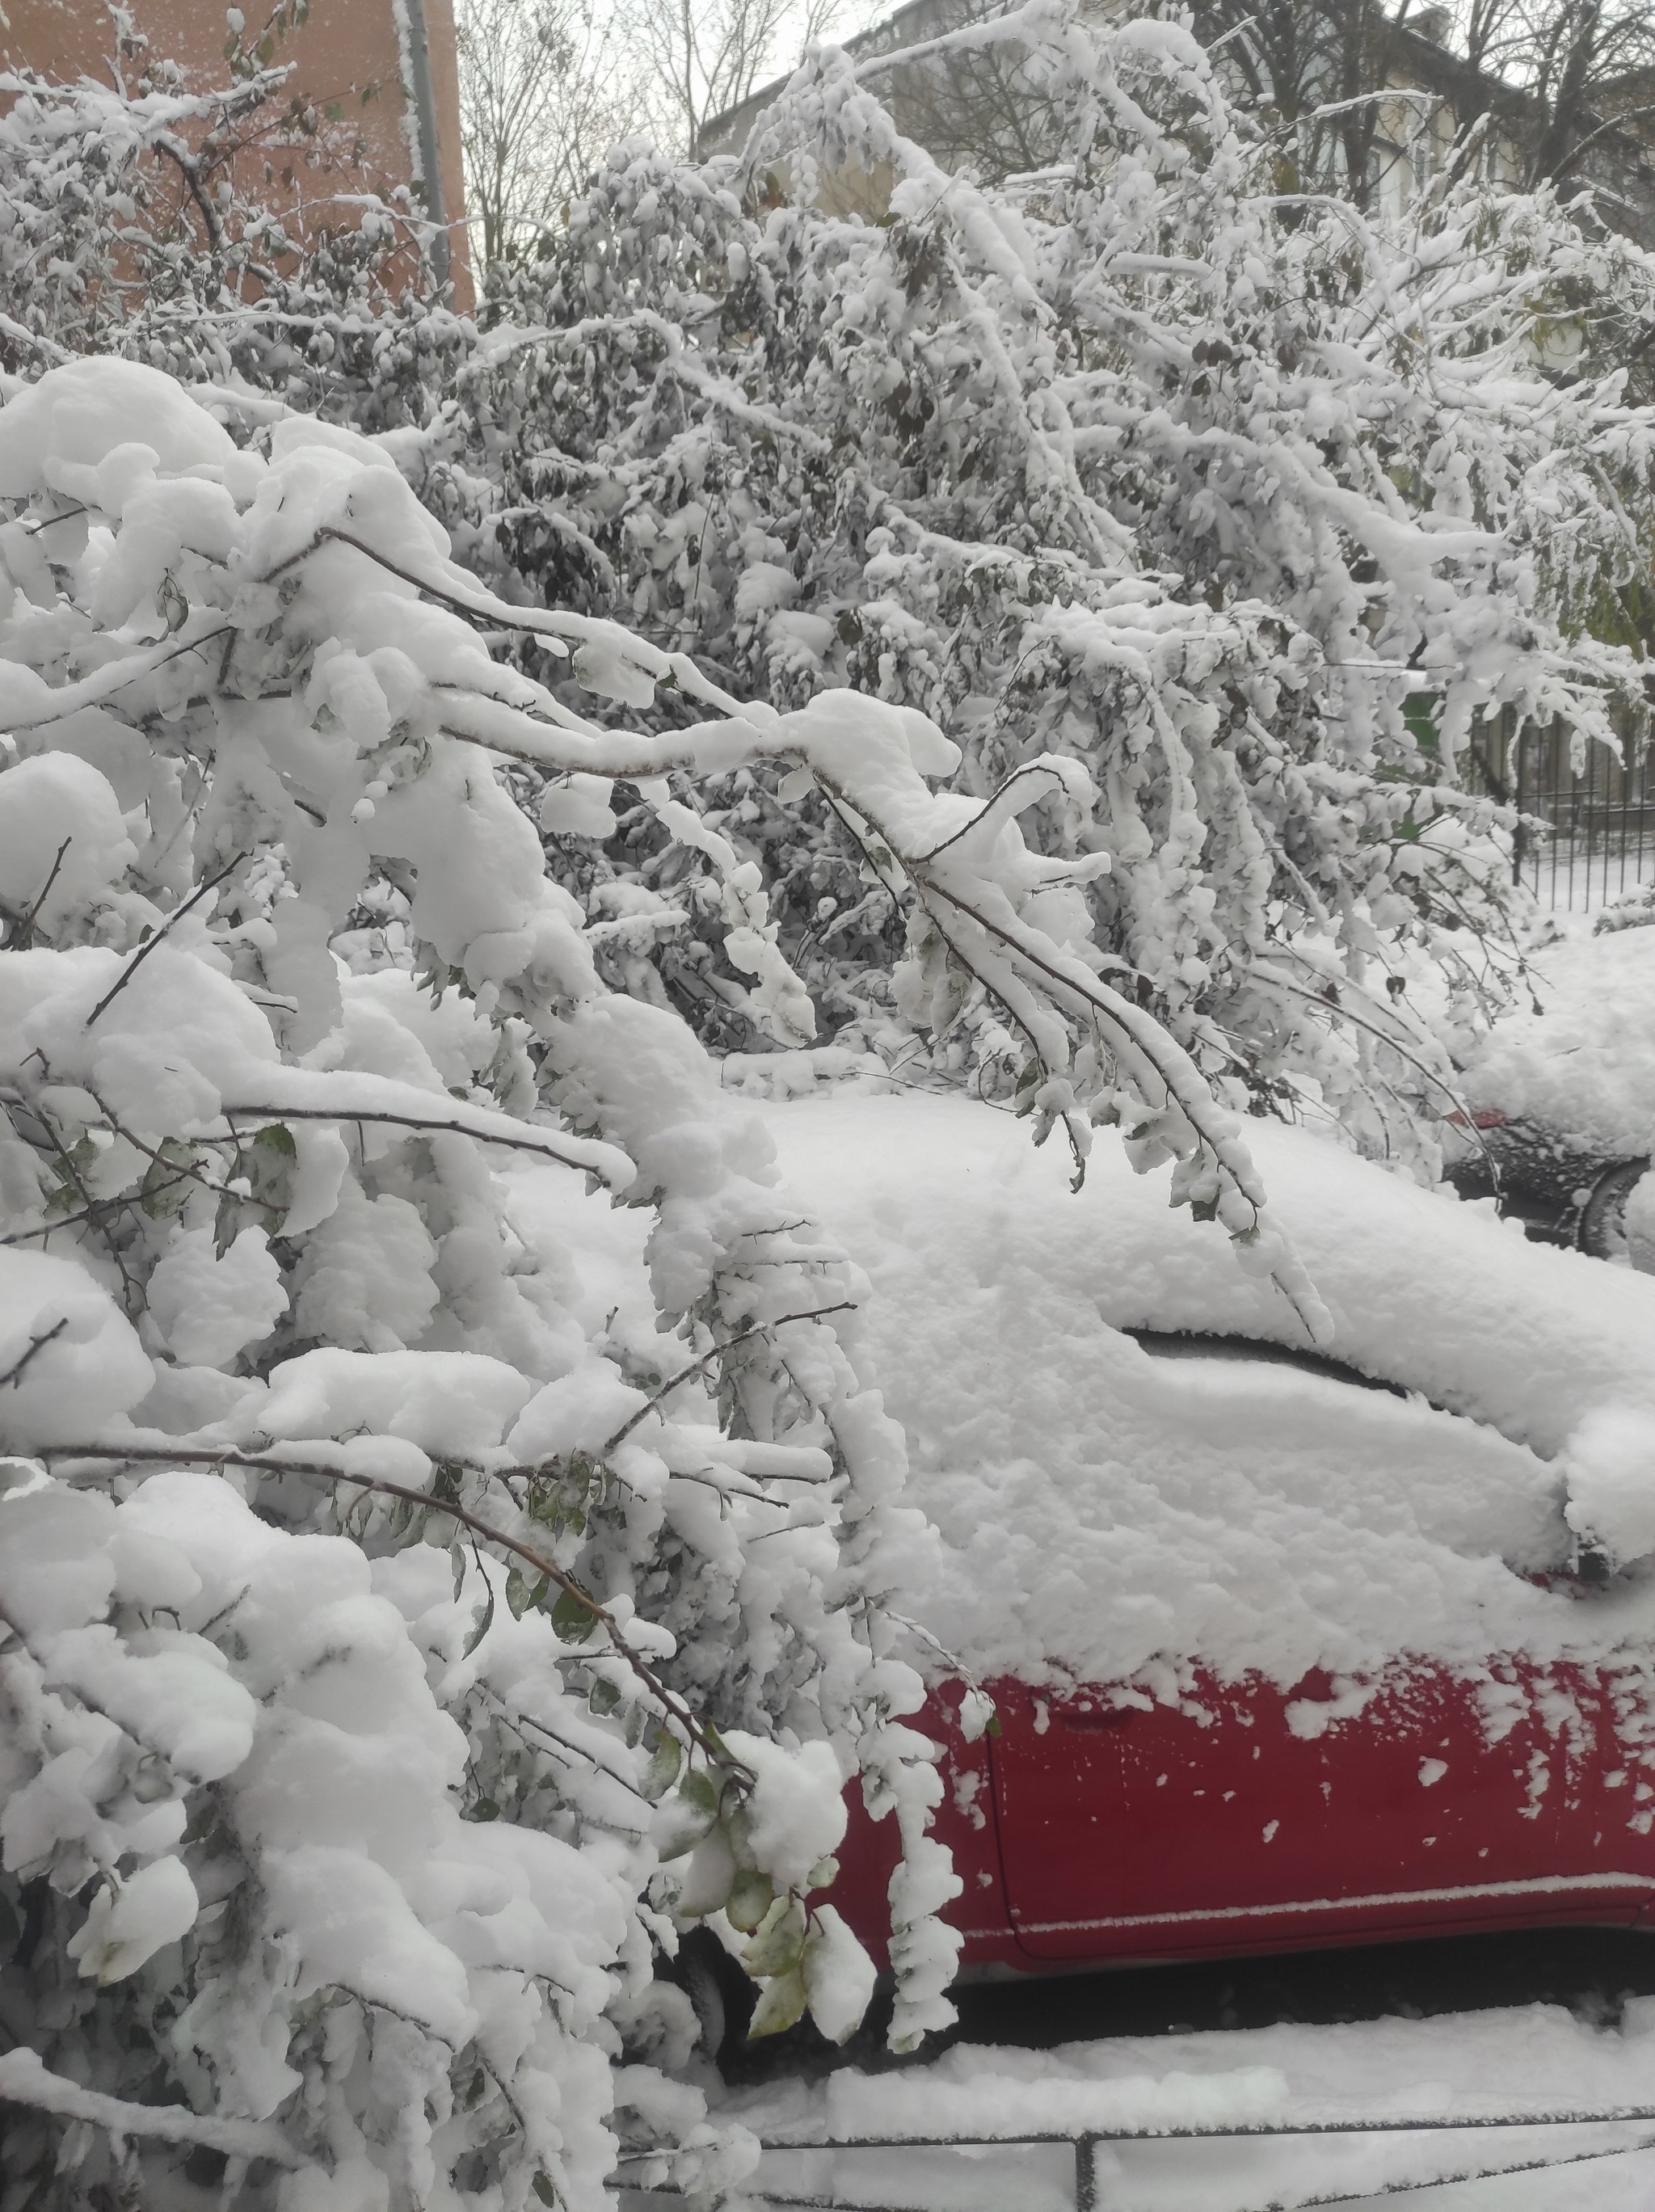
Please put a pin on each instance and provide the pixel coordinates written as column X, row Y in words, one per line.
column 759, row 1328
column 186, row 1171
column 1029, row 767
column 1336, row 1008
column 150, row 943
column 75, row 1220
column 30, row 917
column 485, row 608
column 173, row 1455
column 540, row 1148
column 32, row 722
column 95, row 1208
column 577, row 1750
column 14, row 1375
column 50, row 521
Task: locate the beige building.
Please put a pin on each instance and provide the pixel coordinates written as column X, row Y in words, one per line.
column 376, row 80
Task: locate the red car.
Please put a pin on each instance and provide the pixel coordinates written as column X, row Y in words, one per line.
column 1289, row 1647
column 1109, row 1830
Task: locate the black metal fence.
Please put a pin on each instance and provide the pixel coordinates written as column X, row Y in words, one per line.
column 1084, row 2142
column 1589, row 836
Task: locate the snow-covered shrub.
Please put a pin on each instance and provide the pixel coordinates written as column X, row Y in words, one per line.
column 423, row 1585
column 133, row 219
column 1253, row 508
column 1633, row 909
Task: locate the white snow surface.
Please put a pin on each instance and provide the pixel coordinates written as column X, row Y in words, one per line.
column 1100, row 1510
column 1522, row 2061
column 70, row 1357
column 1585, row 1064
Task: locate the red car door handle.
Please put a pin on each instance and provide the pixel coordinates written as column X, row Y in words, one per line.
column 1096, row 1716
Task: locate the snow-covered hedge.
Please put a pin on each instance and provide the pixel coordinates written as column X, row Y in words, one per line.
column 1256, row 508
column 420, row 1594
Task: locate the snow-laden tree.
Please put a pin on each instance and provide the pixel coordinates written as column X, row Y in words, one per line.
column 1254, row 509
column 134, row 220
column 425, row 1586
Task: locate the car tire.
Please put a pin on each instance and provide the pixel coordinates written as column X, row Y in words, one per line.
column 1603, row 1229
column 722, row 1995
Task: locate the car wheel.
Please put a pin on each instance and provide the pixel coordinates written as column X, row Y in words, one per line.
column 721, row 1994
column 1603, row 1230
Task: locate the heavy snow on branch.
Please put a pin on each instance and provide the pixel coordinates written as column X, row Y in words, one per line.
column 425, row 1588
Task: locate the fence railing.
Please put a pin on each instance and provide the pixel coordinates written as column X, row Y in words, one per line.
column 1589, row 836
column 1084, row 2144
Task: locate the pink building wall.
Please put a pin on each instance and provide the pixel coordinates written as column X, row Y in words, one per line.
column 348, row 55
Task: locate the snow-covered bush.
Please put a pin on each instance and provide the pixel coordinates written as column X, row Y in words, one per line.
column 133, row 219
column 423, row 1586
column 1255, row 509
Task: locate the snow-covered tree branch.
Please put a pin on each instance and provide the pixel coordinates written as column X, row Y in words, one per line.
column 446, row 1526
column 1259, row 510
column 401, row 1573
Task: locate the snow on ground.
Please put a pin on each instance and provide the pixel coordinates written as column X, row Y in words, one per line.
column 1533, row 2059
column 1584, row 1064
column 1100, row 1507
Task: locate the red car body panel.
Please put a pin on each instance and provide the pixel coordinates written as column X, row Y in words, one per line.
column 1092, row 1829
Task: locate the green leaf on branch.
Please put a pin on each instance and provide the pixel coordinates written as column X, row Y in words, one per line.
column 226, row 1222
column 780, row 2005
column 481, row 1621
column 566, row 1499
column 751, row 1896
column 573, row 1620
column 164, row 1187
column 175, row 608
column 689, row 1818
column 661, row 1772
column 698, row 1789
column 779, row 1946
column 523, row 1595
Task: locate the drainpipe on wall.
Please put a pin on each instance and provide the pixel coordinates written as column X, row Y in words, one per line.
column 425, row 111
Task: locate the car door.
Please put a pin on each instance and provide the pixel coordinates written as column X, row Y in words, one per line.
column 1245, row 1818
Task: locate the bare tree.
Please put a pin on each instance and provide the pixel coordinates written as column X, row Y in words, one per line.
column 702, row 57
column 1572, row 82
column 971, row 106
column 1568, row 85
column 543, row 92
column 1314, row 72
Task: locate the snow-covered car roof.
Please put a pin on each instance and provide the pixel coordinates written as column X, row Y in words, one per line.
column 1584, row 1065
column 1101, row 1511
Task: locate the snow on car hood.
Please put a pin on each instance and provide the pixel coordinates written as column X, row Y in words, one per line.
column 1101, row 1511
column 1584, row 1065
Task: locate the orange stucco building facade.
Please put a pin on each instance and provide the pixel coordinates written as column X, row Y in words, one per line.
column 361, row 65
